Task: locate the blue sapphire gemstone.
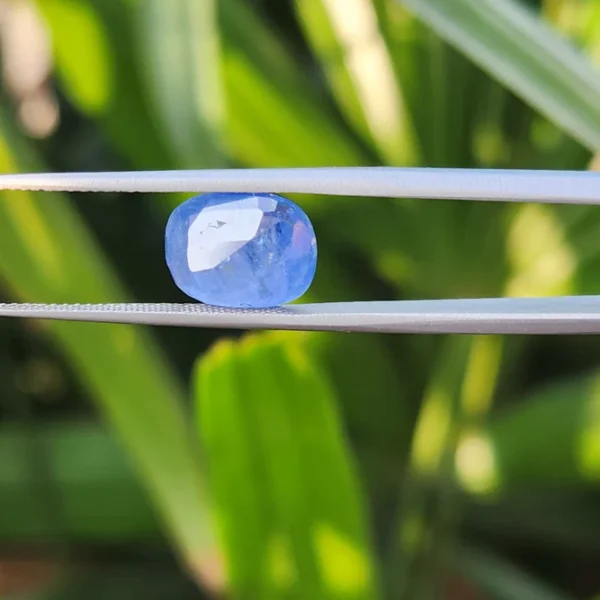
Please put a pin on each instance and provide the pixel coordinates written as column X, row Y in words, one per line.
column 241, row 250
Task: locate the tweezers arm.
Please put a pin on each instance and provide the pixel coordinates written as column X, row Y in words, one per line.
column 559, row 315
column 572, row 187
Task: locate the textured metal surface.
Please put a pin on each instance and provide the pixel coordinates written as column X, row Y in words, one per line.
column 576, row 187
column 574, row 314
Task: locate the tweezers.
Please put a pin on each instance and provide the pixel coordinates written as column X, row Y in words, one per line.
column 556, row 315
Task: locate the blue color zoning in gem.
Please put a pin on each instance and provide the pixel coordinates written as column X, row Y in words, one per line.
column 241, row 250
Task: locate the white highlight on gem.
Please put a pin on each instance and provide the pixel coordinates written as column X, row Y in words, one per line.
column 219, row 231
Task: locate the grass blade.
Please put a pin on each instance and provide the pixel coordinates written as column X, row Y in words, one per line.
column 459, row 393
column 47, row 254
column 180, row 49
column 346, row 37
column 526, row 55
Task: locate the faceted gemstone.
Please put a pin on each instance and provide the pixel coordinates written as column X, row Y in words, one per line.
column 241, row 250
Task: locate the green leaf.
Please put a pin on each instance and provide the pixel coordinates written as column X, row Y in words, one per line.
column 354, row 54
column 502, row 580
column 363, row 367
column 526, row 55
column 549, row 438
column 84, row 58
column 268, row 99
column 536, row 237
column 360, row 367
column 69, row 481
column 375, row 405
column 47, row 255
column 94, row 53
column 269, row 427
column 181, row 57
column 275, row 117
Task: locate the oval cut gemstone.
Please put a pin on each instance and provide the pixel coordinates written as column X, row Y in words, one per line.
column 241, row 250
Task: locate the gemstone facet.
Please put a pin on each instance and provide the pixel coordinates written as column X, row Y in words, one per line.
column 241, row 250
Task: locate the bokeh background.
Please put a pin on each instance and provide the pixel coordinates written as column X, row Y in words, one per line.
column 189, row 463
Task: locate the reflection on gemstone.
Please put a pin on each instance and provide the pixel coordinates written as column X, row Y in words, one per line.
column 241, row 250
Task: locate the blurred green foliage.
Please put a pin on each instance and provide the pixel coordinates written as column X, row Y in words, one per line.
column 298, row 465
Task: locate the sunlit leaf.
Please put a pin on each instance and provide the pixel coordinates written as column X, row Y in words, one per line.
column 269, row 427
column 551, row 438
column 346, row 37
column 541, row 257
column 275, row 117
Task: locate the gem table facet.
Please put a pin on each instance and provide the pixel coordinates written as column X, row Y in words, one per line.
column 241, row 250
